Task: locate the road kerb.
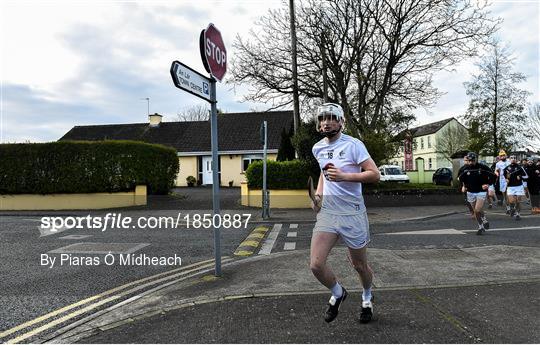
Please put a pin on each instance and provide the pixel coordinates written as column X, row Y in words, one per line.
column 98, row 300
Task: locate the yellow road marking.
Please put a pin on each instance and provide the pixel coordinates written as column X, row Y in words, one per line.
column 252, row 240
column 101, row 302
column 103, row 294
column 256, row 235
column 249, row 244
column 243, row 253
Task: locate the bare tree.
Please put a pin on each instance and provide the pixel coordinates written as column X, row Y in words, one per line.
column 380, row 55
column 497, row 105
column 451, row 140
column 195, row 113
column 534, row 124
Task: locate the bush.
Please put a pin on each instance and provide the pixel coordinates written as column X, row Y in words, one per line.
column 394, row 188
column 286, row 148
column 280, row 175
column 86, row 167
column 191, row 180
column 303, row 142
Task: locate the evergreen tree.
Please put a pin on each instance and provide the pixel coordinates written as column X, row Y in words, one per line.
column 286, row 149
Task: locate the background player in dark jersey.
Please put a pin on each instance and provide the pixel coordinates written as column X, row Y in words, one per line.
column 476, row 178
column 466, row 164
column 515, row 175
column 533, row 170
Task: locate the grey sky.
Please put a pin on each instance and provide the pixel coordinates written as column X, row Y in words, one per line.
column 67, row 63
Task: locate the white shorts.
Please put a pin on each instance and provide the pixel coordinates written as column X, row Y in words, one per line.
column 472, row 197
column 517, row 191
column 353, row 229
column 491, row 188
column 502, row 185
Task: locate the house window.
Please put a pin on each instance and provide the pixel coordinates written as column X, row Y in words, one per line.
column 430, row 165
column 248, row 159
column 421, row 143
column 429, row 142
column 415, row 145
column 402, row 166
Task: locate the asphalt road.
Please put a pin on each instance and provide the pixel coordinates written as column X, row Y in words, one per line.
column 31, row 289
column 453, row 231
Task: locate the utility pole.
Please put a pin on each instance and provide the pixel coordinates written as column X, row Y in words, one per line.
column 324, row 67
column 296, row 100
column 147, row 99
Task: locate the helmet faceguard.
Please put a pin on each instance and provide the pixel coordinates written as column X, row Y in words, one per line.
column 332, row 112
column 471, row 156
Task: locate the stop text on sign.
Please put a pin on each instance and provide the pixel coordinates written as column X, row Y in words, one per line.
column 215, row 53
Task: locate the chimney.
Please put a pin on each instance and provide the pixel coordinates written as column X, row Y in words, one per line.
column 155, row 119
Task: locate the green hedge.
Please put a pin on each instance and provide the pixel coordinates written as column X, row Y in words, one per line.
column 86, row 167
column 294, row 175
column 280, row 175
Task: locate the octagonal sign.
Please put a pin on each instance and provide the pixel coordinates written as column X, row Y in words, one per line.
column 213, row 52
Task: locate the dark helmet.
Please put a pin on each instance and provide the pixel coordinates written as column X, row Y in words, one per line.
column 471, row 156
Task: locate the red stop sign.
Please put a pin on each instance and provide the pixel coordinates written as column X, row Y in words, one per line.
column 213, row 52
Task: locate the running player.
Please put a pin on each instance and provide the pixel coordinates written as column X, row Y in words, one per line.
column 533, row 170
column 499, row 171
column 466, row 164
column 515, row 175
column 476, row 178
column 345, row 164
column 524, row 164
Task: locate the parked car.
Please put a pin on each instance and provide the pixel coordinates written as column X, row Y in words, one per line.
column 393, row 173
column 443, row 176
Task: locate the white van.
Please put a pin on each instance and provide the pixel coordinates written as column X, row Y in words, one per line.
column 393, row 173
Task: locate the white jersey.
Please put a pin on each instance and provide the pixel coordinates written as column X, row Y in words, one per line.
column 346, row 153
column 500, row 166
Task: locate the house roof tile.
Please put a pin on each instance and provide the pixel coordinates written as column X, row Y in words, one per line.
column 236, row 132
column 429, row 128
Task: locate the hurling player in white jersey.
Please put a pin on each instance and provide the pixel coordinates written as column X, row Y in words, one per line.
column 499, row 171
column 345, row 164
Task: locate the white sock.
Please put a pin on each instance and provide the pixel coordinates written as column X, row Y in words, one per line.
column 366, row 295
column 337, row 290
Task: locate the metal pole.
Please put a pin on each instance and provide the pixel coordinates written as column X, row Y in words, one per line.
column 147, row 99
column 215, row 176
column 296, row 100
column 265, row 192
column 324, row 67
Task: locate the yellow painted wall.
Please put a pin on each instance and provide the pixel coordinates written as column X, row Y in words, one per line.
column 88, row 201
column 188, row 166
column 231, row 170
column 291, row 198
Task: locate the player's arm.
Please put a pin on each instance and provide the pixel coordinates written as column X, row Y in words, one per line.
column 369, row 173
column 461, row 178
column 490, row 176
column 524, row 174
column 320, row 185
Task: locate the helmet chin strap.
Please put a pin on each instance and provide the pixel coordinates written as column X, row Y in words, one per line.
column 331, row 133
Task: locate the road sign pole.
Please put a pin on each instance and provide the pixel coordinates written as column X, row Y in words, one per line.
column 215, row 175
column 265, row 196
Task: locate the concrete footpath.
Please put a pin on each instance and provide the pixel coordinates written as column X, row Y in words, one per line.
column 469, row 295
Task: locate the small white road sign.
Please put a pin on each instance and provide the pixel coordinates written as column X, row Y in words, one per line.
column 191, row 81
